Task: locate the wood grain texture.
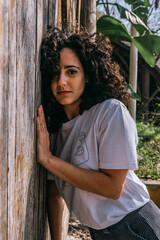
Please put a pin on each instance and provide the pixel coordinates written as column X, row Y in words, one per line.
column 24, row 161
column 88, row 15
column 59, row 14
column 3, row 119
column 12, row 119
column 40, row 179
column 22, row 180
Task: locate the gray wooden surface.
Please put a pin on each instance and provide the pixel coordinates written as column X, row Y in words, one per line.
column 3, row 119
column 88, row 15
column 22, row 180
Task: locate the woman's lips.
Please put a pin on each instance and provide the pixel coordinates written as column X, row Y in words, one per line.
column 63, row 92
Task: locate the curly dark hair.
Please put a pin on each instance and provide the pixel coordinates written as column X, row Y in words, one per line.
column 103, row 74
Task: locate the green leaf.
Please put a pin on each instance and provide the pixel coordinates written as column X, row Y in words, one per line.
column 113, row 28
column 138, row 2
column 140, row 8
column 139, row 25
column 133, row 94
column 142, row 13
column 148, row 46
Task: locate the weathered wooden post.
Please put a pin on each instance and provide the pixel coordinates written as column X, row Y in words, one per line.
column 3, row 122
column 88, row 15
column 22, row 180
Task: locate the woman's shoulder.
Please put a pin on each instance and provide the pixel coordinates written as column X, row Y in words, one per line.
column 105, row 111
column 105, row 107
column 108, row 106
column 112, row 110
column 112, row 103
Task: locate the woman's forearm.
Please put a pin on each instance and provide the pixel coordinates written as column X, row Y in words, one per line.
column 107, row 185
column 55, row 205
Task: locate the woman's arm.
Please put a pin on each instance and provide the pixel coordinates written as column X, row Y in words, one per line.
column 55, row 205
column 107, row 183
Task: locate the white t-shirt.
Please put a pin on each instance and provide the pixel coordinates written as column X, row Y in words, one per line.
column 104, row 136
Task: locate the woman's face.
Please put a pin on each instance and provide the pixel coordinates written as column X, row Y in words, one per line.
column 69, row 85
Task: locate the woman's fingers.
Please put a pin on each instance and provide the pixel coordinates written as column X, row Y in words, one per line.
column 41, row 124
column 43, row 143
column 41, row 117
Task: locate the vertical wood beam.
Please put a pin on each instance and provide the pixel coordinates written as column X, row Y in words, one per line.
column 22, row 181
column 11, row 117
column 88, row 15
column 42, row 21
column 3, row 119
column 79, row 14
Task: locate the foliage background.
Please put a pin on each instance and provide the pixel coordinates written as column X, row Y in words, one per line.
column 148, row 150
column 153, row 21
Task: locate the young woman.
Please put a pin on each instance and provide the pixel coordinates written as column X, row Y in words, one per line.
column 91, row 151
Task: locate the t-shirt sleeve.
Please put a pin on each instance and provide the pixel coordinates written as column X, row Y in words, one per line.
column 117, row 139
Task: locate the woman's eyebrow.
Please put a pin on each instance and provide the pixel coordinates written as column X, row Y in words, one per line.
column 69, row 66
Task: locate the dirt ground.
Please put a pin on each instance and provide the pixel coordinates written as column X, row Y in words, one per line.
column 78, row 231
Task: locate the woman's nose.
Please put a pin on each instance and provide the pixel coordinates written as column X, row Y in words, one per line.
column 62, row 80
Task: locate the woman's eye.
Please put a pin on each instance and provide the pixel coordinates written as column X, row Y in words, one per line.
column 71, row 72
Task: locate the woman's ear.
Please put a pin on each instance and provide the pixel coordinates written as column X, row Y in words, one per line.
column 86, row 78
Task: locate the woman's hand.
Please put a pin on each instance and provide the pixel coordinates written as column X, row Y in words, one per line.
column 43, row 143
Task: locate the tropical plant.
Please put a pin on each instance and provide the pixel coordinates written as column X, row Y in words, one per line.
column 147, row 43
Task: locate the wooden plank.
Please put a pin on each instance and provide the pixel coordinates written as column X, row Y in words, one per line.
column 20, row 94
column 56, row 13
column 11, row 115
column 51, row 12
column 79, row 14
column 68, row 10
column 88, row 15
column 3, row 117
column 59, row 15
column 64, row 13
column 21, row 187
column 45, row 15
column 57, row 21
column 65, row 218
column 73, row 17
column 40, row 181
column 83, row 12
column 25, row 215
column 43, row 21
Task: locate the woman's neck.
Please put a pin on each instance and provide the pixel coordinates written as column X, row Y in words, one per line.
column 72, row 111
